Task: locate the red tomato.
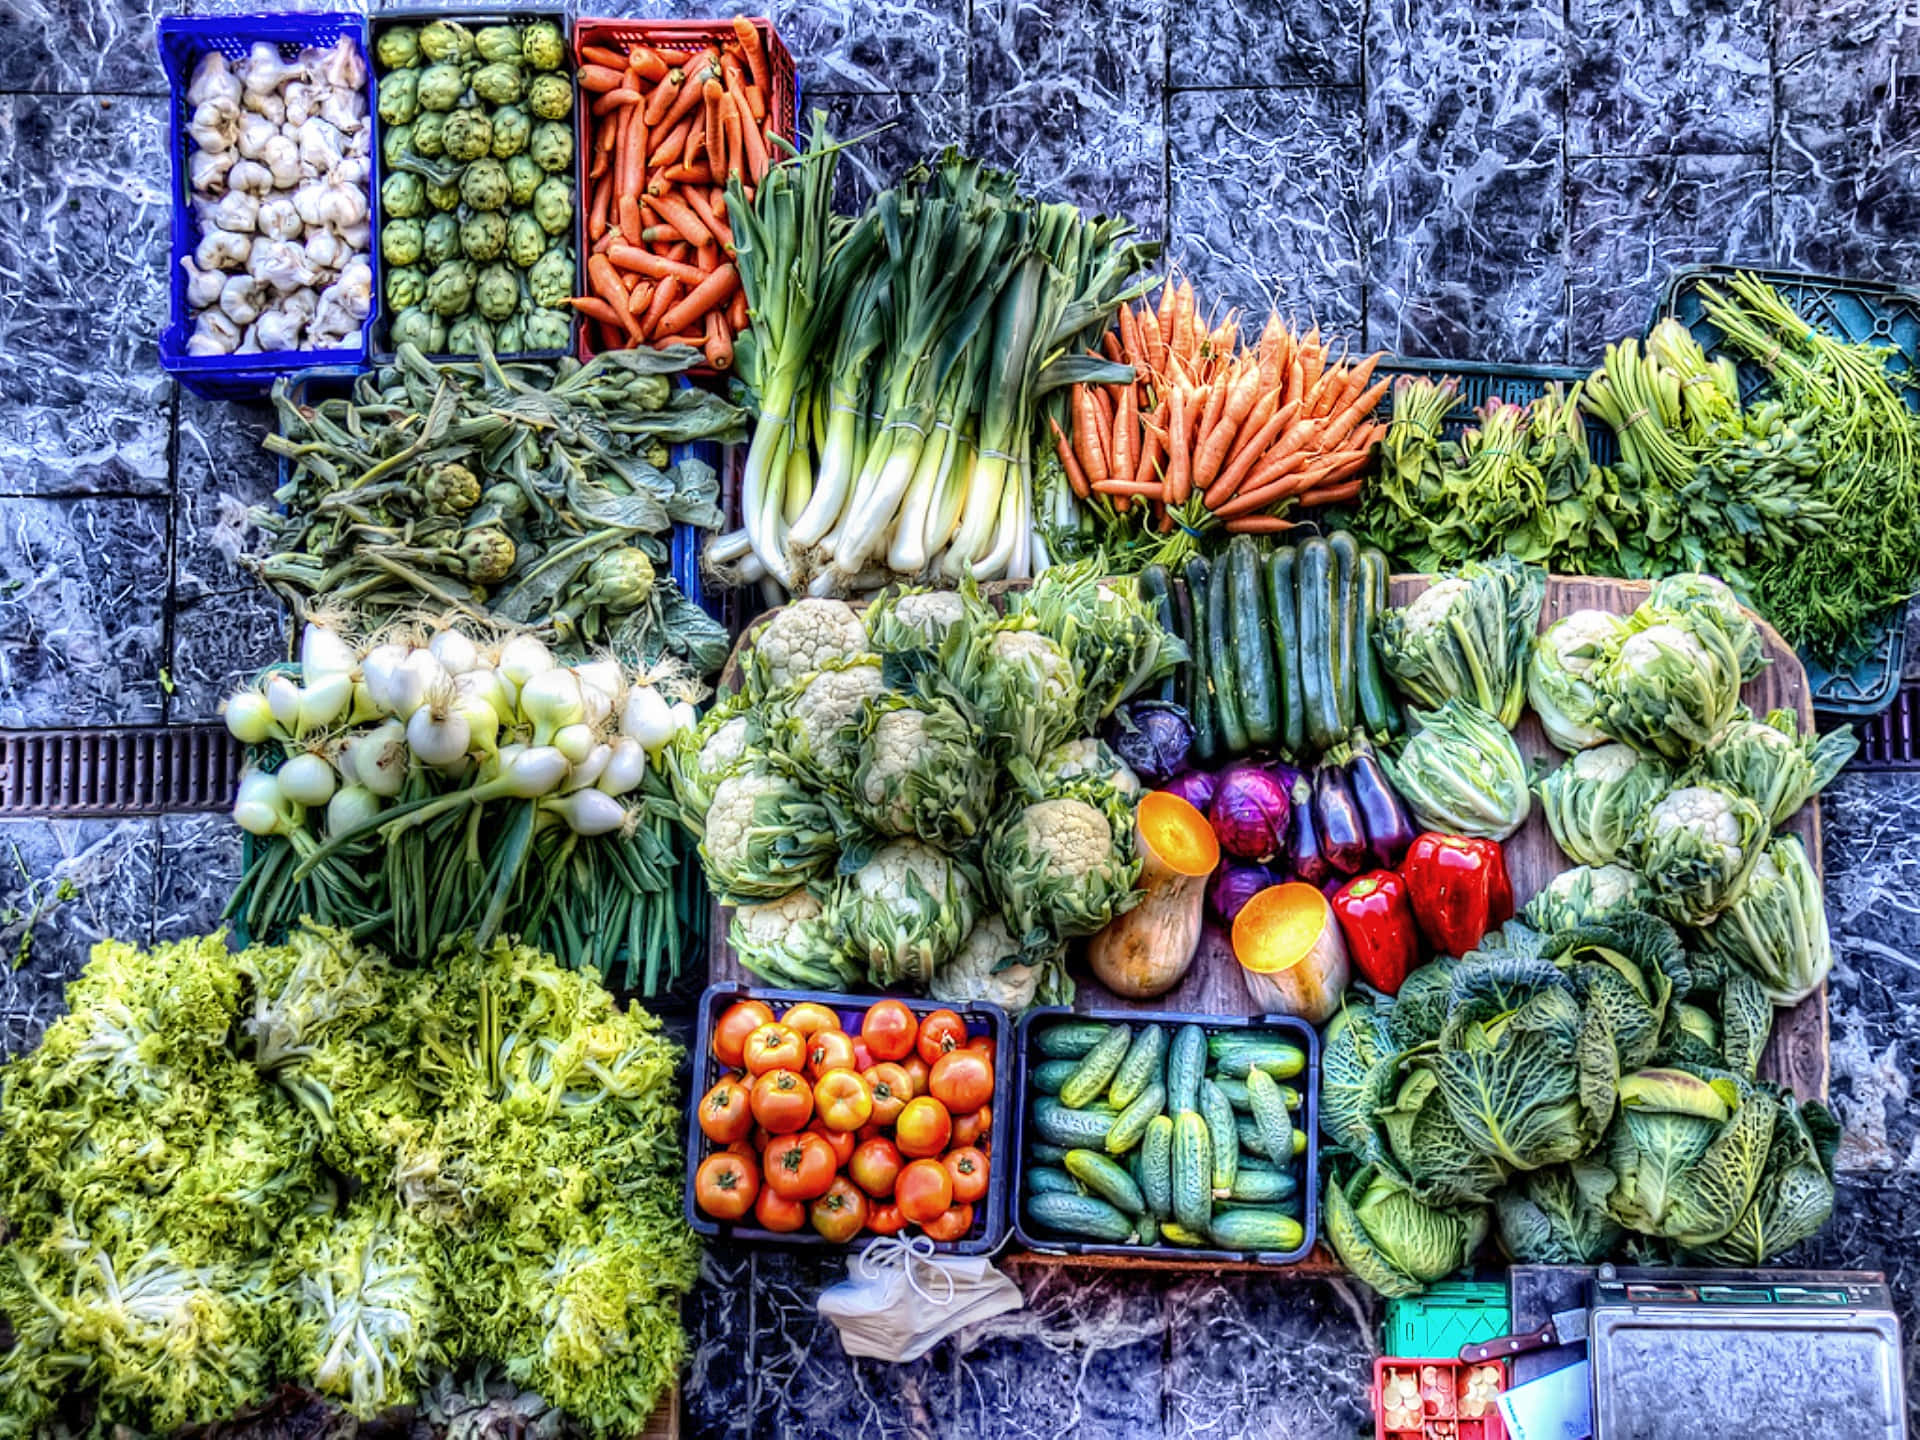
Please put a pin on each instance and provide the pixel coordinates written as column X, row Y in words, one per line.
column 782, row 1102
column 917, row 1072
column 984, row 1045
column 745, row 1149
column 840, row 1212
column 968, row 1167
column 924, row 1191
column 839, row 1141
column 953, row 1225
column 974, row 1128
column 923, row 1128
column 740, row 1020
column 775, row 1047
column 829, row 1050
column 884, row 1218
column 800, row 1166
column 869, row 1131
column 961, row 1080
column 724, row 1186
column 810, row 1017
column 891, row 1087
column 777, row 1213
column 889, row 1030
column 844, row 1100
column 724, row 1112
column 940, row 1032
column 875, row 1167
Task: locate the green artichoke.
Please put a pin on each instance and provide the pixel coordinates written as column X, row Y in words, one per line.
column 402, row 196
column 551, row 279
column 512, row 128
column 450, row 488
column 395, row 145
column 440, row 87
column 486, row 552
column 524, row 179
column 483, row 236
column 542, row 46
column 548, row 330
column 441, row 240
column 551, row 146
column 415, row 326
column 497, row 292
column 484, row 186
column 429, row 137
column 402, row 241
column 467, row 336
column 445, row 40
column 397, row 47
column 398, row 97
column 443, row 195
column 526, row 241
column 467, row 134
column 450, row 288
column 550, row 97
column 405, row 285
column 498, row 84
column 497, row 43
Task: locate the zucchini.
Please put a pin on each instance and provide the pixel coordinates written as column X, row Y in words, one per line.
column 1107, row 1180
column 1223, row 1137
column 1050, row 1180
column 1206, row 732
column 1071, row 1129
column 1236, row 1092
column 1081, row 1215
column 1254, row 1143
column 1155, row 590
column 1377, row 710
column 1346, row 621
column 1192, row 1171
column 1223, row 663
column 1249, row 1227
column 1283, row 611
column 1270, row 1113
column 1096, row 1068
column 1156, row 1166
column 1252, row 644
column 1049, row 1075
column 1262, row 1184
column 1071, row 1039
column 1236, row 1053
column 1183, row 627
column 1131, row 1123
column 1186, row 1067
column 1174, row 1233
column 1041, row 1152
column 1313, row 586
column 1140, row 1069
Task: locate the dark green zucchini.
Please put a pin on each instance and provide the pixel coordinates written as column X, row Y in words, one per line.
column 1206, row 731
column 1377, row 709
column 1283, row 612
column 1252, row 643
column 1346, row 624
column 1155, row 590
column 1313, row 585
column 1223, row 663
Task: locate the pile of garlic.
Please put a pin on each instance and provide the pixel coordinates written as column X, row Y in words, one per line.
column 280, row 170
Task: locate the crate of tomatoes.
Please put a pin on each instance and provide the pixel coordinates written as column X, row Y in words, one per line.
column 825, row 1119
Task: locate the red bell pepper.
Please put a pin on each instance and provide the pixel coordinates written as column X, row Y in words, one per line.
column 1459, row 889
column 1378, row 922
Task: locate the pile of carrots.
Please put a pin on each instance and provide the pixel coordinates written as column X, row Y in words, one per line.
column 670, row 128
column 1211, row 434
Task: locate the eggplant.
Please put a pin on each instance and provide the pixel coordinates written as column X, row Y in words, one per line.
column 1343, row 839
column 1305, row 859
column 1383, row 816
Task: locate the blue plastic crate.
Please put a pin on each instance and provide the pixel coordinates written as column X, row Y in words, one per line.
column 183, row 41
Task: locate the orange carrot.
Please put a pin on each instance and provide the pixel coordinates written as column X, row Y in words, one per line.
column 664, row 295
column 606, row 284
column 667, row 151
column 1151, row 449
column 1130, row 348
column 753, row 143
column 1213, row 453
column 1210, row 417
column 719, row 342
column 737, row 315
column 703, row 207
column 663, row 97
column 646, row 63
column 1250, row 454
column 627, row 207
column 730, row 134
column 1103, row 406
column 672, row 209
column 602, row 78
column 716, row 289
column 691, row 92
column 595, row 309
column 1179, row 451
column 597, row 211
column 715, row 96
column 1128, row 487
column 602, row 56
column 1126, row 427
column 1314, row 358
column 1076, row 477
column 640, row 297
column 1163, row 317
column 1086, row 434
column 657, row 267
column 1259, row 525
column 1332, row 494
column 630, row 171
column 748, row 34
column 615, row 99
column 1250, row 500
column 694, row 149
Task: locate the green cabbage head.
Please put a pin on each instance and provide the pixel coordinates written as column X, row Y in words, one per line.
column 1593, row 801
column 1545, row 1218
column 1558, row 685
column 1687, row 1151
column 1387, row 1237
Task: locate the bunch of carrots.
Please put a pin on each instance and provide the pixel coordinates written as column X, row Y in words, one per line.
column 670, row 128
column 1211, row 434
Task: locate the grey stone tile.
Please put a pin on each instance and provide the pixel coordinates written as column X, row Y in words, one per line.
column 79, row 46
column 220, row 642
column 1264, row 42
column 899, row 129
column 196, row 869
column 1647, row 78
column 221, row 472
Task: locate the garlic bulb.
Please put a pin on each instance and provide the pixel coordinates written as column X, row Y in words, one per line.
column 249, row 343
column 265, row 72
column 345, row 110
column 252, row 178
column 281, row 265
column 237, row 211
column 302, row 103
column 279, row 330
column 359, row 236
column 213, row 81
column 268, row 106
column 207, row 171
column 343, row 204
column 242, row 298
column 215, row 124
column 282, row 159
column 279, row 220
column 320, row 145
column 203, row 286
column 255, row 132
column 355, row 170
column 213, row 334
column 223, row 250
column 343, row 68
column 325, row 250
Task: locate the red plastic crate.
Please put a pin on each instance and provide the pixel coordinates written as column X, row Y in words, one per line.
column 1440, row 1414
column 783, row 106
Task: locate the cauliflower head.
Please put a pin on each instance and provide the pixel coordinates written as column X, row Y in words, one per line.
column 812, row 718
column 1559, row 687
column 1059, row 868
column 1091, row 759
column 1696, row 849
column 802, row 637
column 905, row 911
column 1594, row 801
column 914, row 619
column 990, row 966
column 764, row 835
column 696, row 758
column 787, row 941
column 1023, row 686
column 1585, row 895
column 922, row 772
column 1668, row 689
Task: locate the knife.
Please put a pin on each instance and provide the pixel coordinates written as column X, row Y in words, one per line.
column 1567, row 1327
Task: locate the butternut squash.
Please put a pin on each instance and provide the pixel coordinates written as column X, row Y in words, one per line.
column 1147, row 951
column 1291, row 953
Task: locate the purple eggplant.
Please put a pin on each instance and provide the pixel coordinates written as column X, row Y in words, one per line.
column 1305, row 859
column 1235, row 883
column 1196, row 787
column 1343, row 839
column 1385, row 819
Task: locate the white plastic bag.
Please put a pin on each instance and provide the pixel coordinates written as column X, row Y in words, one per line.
column 899, row 1300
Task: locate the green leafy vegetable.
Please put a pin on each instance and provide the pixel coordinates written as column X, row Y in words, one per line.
column 1594, row 800
column 1558, row 685
column 1696, row 848
column 1468, row 637
column 1461, row 773
column 1774, row 766
column 1777, row 929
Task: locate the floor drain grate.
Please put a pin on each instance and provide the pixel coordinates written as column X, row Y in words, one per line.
column 1887, row 740
column 146, row 771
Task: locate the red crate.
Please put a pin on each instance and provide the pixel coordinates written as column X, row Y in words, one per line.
column 1442, row 1382
column 620, row 35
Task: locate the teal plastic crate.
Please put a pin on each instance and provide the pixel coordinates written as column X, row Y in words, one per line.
column 1450, row 1314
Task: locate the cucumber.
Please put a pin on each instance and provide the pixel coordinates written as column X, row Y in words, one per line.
column 1377, row 710
column 1156, row 1166
column 1140, row 1069
column 1248, row 1227
column 1262, row 1184
column 1283, row 612
column 1186, row 1068
column 1254, row 1143
column 1061, row 1125
column 1096, row 1068
column 1236, row 1092
column 1206, row 731
column 1183, row 627
column 1070, row 1039
column 1131, row 1123
column 1223, row 1138
column 1174, row 1233
column 1346, row 622
column 1223, row 664
column 1313, row 587
column 1252, row 644
column 1081, row 1215
column 1192, row 1171
column 1049, row 1075
column 1155, row 590
column 1049, row 1180
column 1107, row 1180
column 1235, row 1054
column 1270, row 1113
column 1044, row 1153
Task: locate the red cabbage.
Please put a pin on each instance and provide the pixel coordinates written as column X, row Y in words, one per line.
column 1235, row 883
column 1154, row 737
column 1196, row 787
column 1249, row 813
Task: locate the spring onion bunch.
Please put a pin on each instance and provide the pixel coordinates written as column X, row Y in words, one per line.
column 898, row 360
column 425, row 785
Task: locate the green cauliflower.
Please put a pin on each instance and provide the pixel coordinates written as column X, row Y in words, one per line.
column 922, row 772
column 990, row 966
column 1696, row 848
column 812, row 719
column 764, row 835
column 1773, row 765
column 1595, row 799
column 904, row 912
column 1558, row 687
column 788, row 942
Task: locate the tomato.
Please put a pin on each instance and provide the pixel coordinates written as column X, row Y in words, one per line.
column 961, row 1081
column 724, row 1186
column 884, row 1218
column 969, row 1170
column 863, row 1060
column 953, row 1225
column 724, row 1115
column 940, row 1032
column 810, row 1017
column 923, row 1128
column 875, row 1167
column 868, row 1131
column 782, row 1102
column 829, row 1050
column 740, row 1020
column 839, row 1141
column 889, row 1030
column 973, row 1128
column 891, row 1087
column 843, row 1098
column 983, row 1044
column 917, row 1072
column 762, row 1138
column 924, row 1191
column 840, row 1212
column 777, row 1213
column 775, row 1047
column 801, row 1166
column 745, row 1149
